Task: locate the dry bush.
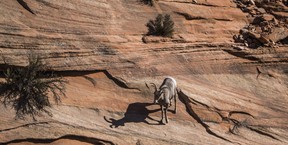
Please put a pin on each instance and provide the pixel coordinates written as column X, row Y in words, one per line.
column 161, row 26
column 26, row 88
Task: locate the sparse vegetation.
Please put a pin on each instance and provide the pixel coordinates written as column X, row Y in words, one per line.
column 26, row 88
column 148, row 2
column 237, row 125
column 161, row 26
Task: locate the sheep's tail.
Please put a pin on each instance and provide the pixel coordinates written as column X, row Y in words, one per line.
column 178, row 90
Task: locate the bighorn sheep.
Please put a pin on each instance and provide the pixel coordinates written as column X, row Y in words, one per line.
column 164, row 95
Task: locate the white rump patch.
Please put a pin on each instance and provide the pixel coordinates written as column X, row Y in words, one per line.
column 172, row 80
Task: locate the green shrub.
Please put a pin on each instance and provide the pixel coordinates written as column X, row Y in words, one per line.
column 26, row 88
column 161, row 26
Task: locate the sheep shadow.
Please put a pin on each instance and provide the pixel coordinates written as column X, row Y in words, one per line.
column 136, row 112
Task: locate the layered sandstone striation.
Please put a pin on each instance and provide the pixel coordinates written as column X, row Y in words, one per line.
column 227, row 95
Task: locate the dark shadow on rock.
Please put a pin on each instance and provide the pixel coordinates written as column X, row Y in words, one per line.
column 136, row 112
column 25, row 6
column 242, row 54
column 85, row 139
column 284, row 41
column 185, row 100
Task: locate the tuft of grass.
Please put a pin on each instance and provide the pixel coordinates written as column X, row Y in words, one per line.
column 163, row 25
column 26, row 89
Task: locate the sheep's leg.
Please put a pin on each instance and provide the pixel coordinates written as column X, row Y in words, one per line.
column 162, row 114
column 175, row 99
column 166, row 118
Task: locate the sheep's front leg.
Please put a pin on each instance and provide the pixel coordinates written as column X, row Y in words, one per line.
column 162, row 114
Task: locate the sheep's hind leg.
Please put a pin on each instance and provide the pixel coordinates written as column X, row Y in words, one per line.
column 166, row 118
column 175, row 101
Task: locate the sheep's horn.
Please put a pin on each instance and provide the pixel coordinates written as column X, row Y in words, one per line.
column 155, row 87
column 147, row 85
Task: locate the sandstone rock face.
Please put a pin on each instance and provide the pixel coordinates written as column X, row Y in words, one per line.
column 226, row 96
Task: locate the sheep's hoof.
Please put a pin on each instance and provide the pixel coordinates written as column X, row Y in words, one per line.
column 162, row 122
column 174, row 112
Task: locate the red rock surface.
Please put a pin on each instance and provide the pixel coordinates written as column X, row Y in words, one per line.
column 227, row 96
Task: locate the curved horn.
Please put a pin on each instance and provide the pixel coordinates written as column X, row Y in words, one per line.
column 155, row 87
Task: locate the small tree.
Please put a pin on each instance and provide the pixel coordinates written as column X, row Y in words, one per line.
column 26, row 88
column 161, row 26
